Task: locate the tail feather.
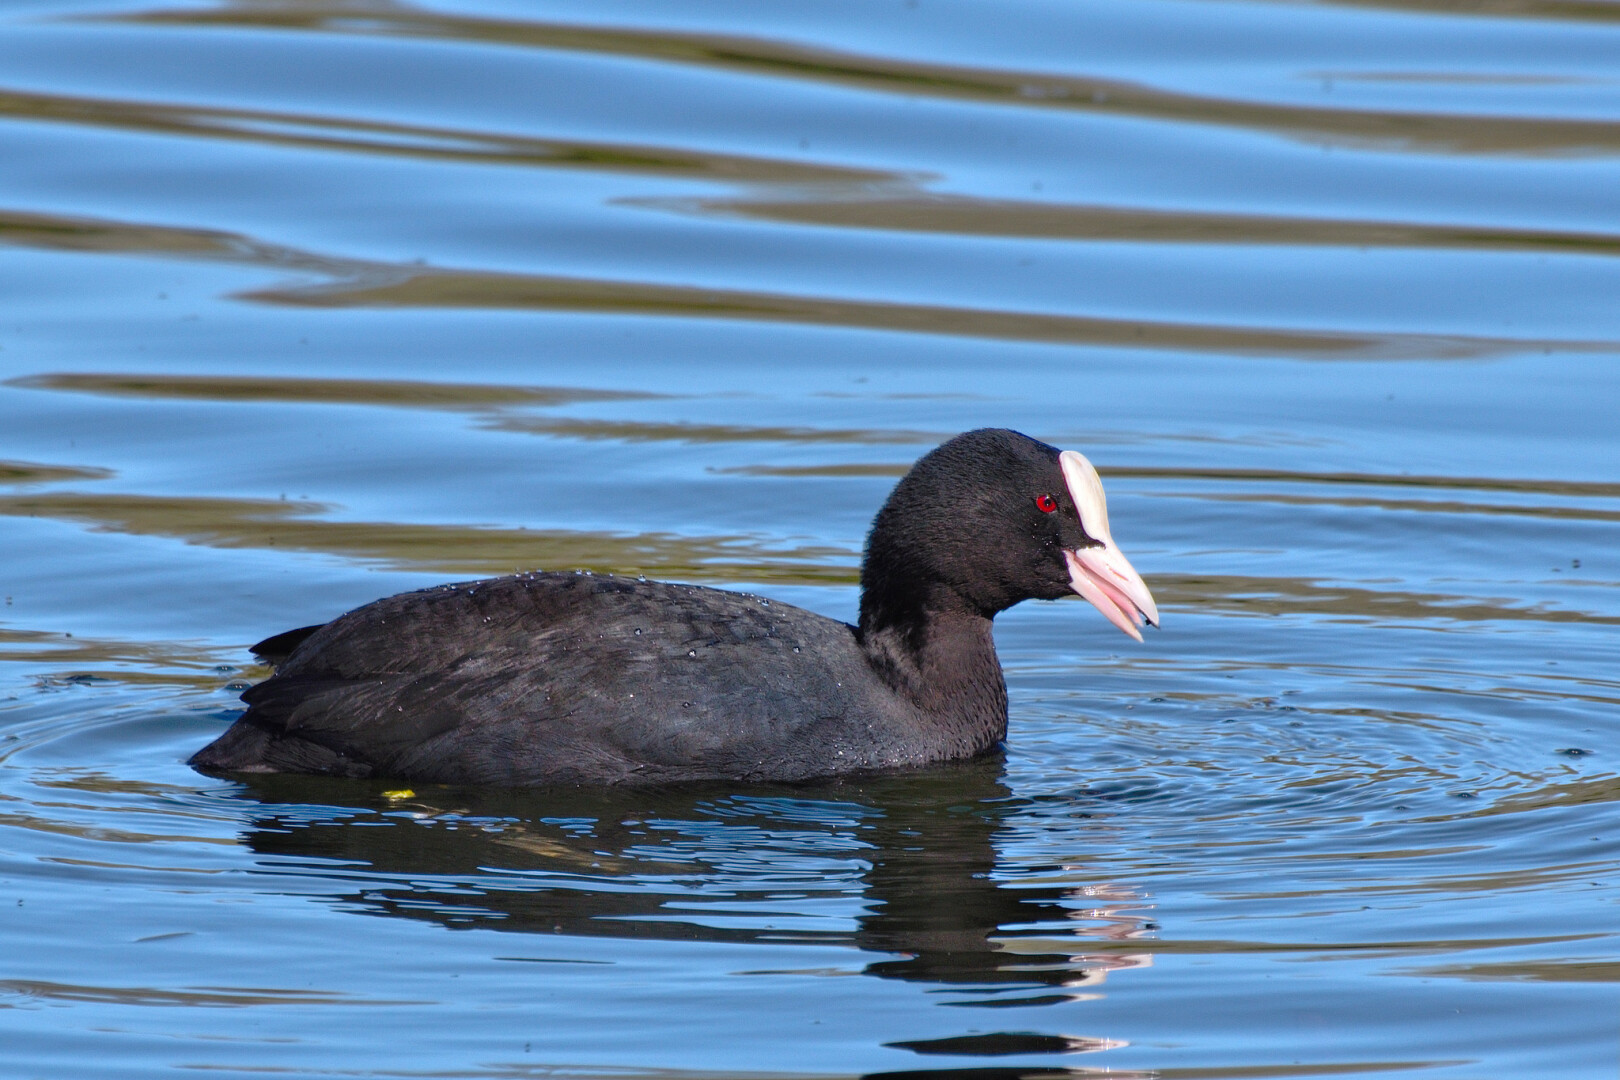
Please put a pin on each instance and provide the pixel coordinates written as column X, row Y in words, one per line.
column 248, row 748
column 276, row 648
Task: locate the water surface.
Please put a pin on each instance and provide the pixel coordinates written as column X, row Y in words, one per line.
column 310, row 301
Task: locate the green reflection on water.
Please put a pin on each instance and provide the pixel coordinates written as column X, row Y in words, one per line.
column 290, row 526
column 968, row 216
column 17, row 473
column 388, row 392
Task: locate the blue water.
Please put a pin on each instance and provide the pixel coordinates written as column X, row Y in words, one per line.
column 306, row 303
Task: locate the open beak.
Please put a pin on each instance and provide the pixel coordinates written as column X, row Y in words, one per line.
column 1102, row 574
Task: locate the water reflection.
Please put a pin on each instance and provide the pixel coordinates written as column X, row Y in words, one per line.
column 1366, row 780
column 291, row 525
column 1384, row 130
column 1601, row 11
column 395, row 393
column 414, row 141
column 908, row 866
column 900, row 211
column 351, row 283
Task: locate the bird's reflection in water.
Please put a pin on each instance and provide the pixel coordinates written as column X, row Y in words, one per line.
column 905, row 869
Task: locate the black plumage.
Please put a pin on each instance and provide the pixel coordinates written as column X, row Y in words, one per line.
column 580, row 678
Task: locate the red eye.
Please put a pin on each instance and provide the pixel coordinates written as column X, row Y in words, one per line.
column 1045, row 503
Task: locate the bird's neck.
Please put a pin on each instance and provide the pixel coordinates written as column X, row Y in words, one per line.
column 941, row 657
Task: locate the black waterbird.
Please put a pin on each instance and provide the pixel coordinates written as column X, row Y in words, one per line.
column 572, row 678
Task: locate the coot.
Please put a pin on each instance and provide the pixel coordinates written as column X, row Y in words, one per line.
column 573, row 678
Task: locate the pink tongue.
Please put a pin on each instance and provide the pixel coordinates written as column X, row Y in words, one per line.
column 1103, row 595
column 1121, row 601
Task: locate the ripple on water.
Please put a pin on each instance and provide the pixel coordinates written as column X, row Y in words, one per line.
column 312, row 302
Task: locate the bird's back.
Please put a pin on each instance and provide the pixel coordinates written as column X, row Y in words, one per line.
column 572, row 678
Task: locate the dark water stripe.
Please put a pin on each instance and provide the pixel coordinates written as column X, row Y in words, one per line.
column 900, row 210
column 268, row 524
column 1575, row 488
column 17, row 473
column 967, row 216
column 643, row 431
column 397, row 393
column 1440, row 133
column 356, row 283
column 207, row 997
column 1603, row 11
column 100, row 676
column 100, row 783
column 1431, row 506
column 1298, row 596
column 1567, row 793
column 48, row 647
column 425, row 143
column 1579, row 971
column 1569, row 488
column 429, row 395
column 52, row 232
column 100, row 834
column 423, row 288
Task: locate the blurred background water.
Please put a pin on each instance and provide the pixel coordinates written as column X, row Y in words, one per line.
column 304, row 302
